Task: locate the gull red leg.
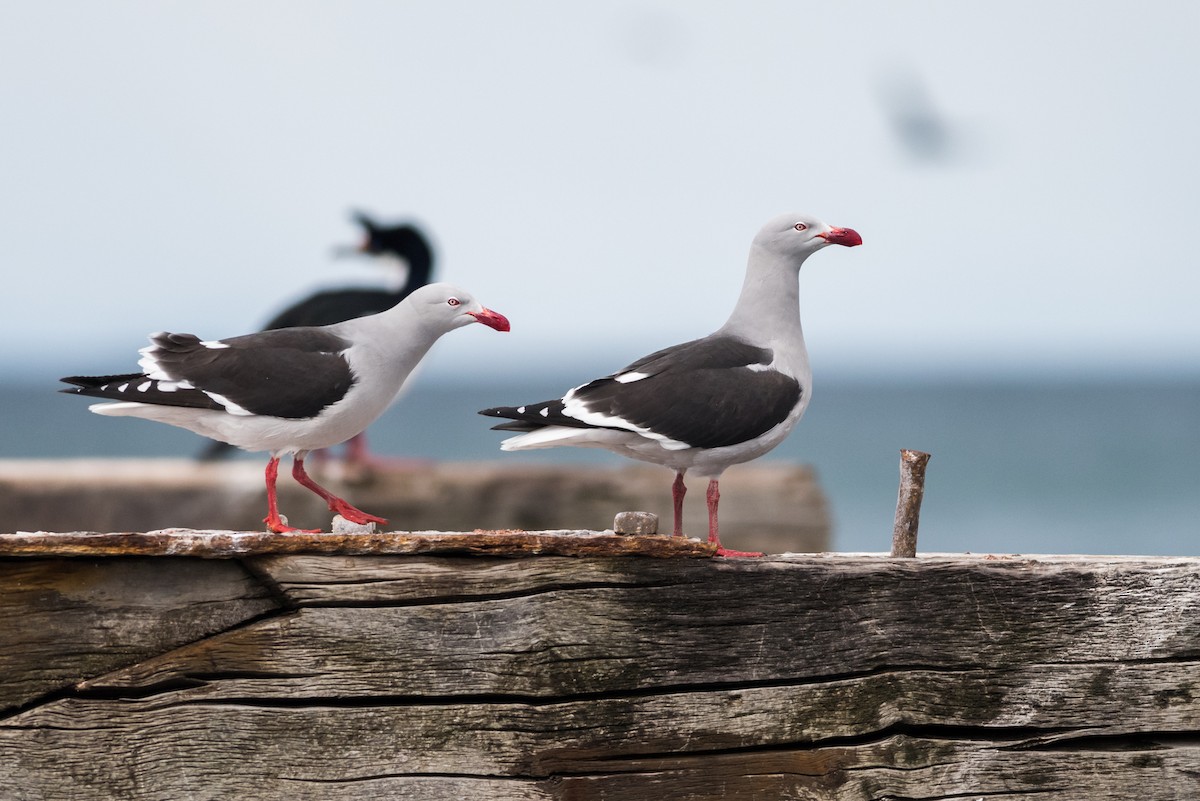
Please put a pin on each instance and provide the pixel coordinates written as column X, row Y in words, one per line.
column 273, row 520
column 677, row 493
column 713, row 496
column 336, row 504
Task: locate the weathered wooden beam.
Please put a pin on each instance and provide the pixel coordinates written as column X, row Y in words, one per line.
column 65, row 621
column 451, row 677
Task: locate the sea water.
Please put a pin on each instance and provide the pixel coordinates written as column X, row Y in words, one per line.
column 1054, row 466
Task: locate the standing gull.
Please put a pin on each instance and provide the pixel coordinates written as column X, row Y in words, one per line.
column 709, row 403
column 402, row 247
column 291, row 390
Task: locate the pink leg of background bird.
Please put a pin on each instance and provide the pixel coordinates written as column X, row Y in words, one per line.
column 677, row 493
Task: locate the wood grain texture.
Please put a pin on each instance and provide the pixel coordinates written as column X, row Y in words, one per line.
column 228, row 544
column 63, row 621
column 452, row 677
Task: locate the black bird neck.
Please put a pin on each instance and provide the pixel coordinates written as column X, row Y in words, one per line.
column 407, row 243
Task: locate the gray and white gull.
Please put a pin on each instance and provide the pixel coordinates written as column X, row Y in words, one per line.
column 709, row 403
column 291, row 390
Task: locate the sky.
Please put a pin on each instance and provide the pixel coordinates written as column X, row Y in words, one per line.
column 1024, row 174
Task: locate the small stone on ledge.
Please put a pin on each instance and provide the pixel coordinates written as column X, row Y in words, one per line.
column 636, row 524
column 343, row 526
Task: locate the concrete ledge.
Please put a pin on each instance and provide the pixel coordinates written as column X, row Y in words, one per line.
column 769, row 507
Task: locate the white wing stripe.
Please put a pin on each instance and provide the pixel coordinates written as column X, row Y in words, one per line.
column 577, row 409
column 229, row 405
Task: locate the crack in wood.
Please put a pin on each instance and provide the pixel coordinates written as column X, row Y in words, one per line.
column 468, row 598
column 83, row 689
column 72, row 573
column 187, row 681
column 679, row 762
column 1126, row 741
column 928, row 731
column 192, row 679
column 1169, row 659
column 269, row 583
column 970, row 795
column 415, row 775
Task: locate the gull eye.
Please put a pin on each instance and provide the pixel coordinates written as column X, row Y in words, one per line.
column 800, row 226
column 453, row 302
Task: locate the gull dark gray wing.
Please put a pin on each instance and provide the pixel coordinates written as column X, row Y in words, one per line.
column 708, row 393
column 290, row 373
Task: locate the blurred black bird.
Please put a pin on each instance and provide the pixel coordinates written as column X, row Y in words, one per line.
column 403, row 246
column 922, row 131
column 404, row 242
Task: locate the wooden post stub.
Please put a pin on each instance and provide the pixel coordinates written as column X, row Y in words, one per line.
column 908, row 503
column 636, row 523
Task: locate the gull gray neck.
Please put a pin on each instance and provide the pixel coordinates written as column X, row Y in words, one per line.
column 768, row 309
column 390, row 344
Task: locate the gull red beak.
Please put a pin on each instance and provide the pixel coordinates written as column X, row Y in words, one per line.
column 842, row 236
column 491, row 319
